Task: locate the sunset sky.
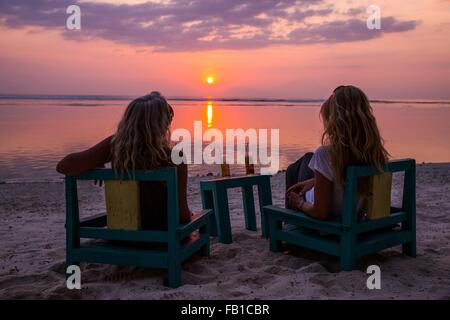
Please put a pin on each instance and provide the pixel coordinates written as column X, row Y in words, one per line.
column 254, row 49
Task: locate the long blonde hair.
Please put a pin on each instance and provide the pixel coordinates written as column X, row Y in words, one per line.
column 142, row 140
column 350, row 129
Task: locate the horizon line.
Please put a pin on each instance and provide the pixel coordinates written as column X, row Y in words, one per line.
column 104, row 97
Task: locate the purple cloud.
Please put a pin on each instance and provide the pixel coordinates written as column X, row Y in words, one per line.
column 193, row 25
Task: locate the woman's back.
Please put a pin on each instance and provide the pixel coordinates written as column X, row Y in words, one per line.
column 350, row 137
column 141, row 142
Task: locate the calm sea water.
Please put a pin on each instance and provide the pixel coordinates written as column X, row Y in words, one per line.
column 37, row 132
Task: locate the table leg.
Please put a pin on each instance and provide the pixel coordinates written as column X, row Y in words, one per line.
column 265, row 199
column 208, row 203
column 222, row 213
column 249, row 208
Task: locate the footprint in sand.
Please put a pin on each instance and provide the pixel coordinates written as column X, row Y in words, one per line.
column 255, row 264
column 314, row 268
column 59, row 267
column 237, row 294
column 257, row 281
column 241, row 237
column 431, row 251
column 230, row 253
column 320, row 281
column 173, row 296
column 120, row 276
column 194, row 279
column 277, row 270
column 197, row 269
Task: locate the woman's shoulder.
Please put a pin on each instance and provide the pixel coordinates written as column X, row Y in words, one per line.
column 323, row 151
column 321, row 162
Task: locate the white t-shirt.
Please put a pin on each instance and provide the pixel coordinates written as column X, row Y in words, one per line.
column 321, row 162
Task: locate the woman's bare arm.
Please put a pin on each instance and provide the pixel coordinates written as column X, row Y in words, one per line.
column 94, row 157
column 98, row 155
column 301, row 187
column 323, row 198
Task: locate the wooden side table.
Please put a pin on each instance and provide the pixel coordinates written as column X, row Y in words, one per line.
column 214, row 196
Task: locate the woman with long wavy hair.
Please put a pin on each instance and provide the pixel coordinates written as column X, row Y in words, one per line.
column 315, row 183
column 141, row 142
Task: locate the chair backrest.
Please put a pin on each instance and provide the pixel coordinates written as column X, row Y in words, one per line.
column 167, row 175
column 123, row 205
column 408, row 166
column 379, row 198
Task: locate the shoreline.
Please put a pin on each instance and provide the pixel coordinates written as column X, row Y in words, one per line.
column 106, row 97
column 208, row 175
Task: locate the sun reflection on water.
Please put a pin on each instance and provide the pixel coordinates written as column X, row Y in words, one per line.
column 209, row 114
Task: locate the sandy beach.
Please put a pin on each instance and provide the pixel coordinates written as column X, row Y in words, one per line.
column 32, row 253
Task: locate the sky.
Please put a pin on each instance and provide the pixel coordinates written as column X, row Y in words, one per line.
column 254, row 49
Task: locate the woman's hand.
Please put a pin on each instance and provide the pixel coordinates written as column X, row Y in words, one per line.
column 296, row 201
column 301, row 188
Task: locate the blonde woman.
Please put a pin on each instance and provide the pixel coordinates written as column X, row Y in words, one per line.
column 142, row 141
column 315, row 183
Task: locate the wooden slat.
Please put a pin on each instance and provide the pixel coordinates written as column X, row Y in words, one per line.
column 193, row 246
column 98, row 220
column 382, row 241
column 197, row 221
column 123, row 235
column 370, row 225
column 235, row 182
column 379, row 199
column 121, row 256
column 161, row 174
column 300, row 219
column 392, row 166
column 123, row 205
column 310, row 241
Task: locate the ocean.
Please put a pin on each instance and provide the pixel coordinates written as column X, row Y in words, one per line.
column 37, row 131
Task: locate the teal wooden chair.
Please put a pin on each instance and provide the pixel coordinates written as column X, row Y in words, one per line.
column 174, row 251
column 349, row 238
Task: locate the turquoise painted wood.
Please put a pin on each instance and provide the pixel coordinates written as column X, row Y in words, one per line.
column 348, row 238
column 178, row 243
column 214, row 196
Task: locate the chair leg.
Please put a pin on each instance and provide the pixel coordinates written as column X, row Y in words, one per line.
column 69, row 259
column 274, row 243
column 410, row 248
column 208, row 203
column 348, row 258
column 265, row 199
column 249, row 208
column 222, row 213
column 206, row 249
column 347, row 263
column 409, row 206
column 174, row 275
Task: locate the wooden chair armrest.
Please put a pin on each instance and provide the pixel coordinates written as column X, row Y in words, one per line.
column 300, row 219
column 198, row 220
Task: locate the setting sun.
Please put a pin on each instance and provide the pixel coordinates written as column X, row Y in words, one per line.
column 210, row 80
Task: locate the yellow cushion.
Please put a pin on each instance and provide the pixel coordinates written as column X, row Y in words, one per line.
column 379, row 201
column 123, row 205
